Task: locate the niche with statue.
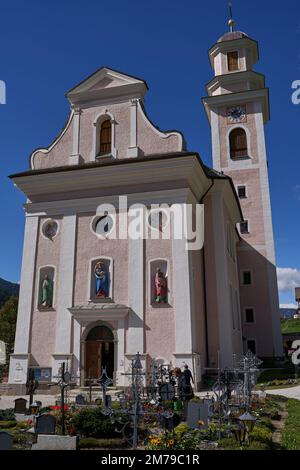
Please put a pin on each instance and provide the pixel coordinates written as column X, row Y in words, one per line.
column 159, row 288
column 101, row 280
column 46, row 288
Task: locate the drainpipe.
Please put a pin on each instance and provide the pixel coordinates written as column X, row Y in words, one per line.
column 204, row 279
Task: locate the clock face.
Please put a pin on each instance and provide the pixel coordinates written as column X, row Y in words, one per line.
column 236, row 114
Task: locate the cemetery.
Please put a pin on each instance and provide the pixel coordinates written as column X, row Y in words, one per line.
column 159, row 411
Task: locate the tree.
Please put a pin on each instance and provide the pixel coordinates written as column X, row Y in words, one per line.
column 8, row 320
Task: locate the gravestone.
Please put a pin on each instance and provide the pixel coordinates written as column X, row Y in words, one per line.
column 166, row 392
column 45, row 424
column 80, row 400
column 20, row 405
column 197, row 412
column 6, row 440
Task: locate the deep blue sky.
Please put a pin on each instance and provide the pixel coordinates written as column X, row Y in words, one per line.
column 49, row 46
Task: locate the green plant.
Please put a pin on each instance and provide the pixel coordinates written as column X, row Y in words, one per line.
column 291, row 431
column 7, row 424
column 92, row 442
column 7, row 415
column 92, row 423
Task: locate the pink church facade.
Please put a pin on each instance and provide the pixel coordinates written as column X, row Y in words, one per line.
column 91, row 298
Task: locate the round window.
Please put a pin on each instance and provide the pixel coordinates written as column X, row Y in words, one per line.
column 103, row 225
column 158, row 219
column 50, row 229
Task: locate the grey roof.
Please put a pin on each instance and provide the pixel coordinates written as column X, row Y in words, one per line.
column 231, row 36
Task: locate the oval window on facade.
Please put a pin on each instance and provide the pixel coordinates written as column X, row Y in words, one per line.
column 103, row 225
column 50, row 229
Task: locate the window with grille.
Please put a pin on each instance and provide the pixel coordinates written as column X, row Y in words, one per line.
column 249, row 315
column 242, row 192
column 244, row 227
column 233, row 61
column 105, row 137
column 238, row 144
column 247, row 278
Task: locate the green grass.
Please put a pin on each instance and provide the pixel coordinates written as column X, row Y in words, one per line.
column 291, row 431
column 91, row 442
column 279, row 374
column 291, row 325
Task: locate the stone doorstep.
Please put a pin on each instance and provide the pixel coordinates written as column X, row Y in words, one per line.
column 55, row 442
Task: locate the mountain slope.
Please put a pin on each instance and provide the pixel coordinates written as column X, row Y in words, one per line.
column 7, row 290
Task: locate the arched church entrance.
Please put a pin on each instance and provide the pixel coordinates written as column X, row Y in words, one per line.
column 99, row 352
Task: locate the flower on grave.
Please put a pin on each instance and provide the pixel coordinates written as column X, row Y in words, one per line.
column 201, row 423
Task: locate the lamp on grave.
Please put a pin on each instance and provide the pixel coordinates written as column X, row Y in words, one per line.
column 248, row 422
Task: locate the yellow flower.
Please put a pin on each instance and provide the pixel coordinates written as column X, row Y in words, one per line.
column 201, row 423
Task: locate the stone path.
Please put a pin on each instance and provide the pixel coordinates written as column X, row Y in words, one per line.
column 279, row 425
column 292, row 392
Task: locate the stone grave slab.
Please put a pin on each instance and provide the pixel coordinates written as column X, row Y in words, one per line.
column 6, row 440
column 45, row 424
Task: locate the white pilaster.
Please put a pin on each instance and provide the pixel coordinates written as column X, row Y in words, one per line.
column 182, row 297
column 76, row 350
column 20, row 357
column 121, row 353
column 75, row 157
column 215, row 139
column 222, row 284
column 136, row 296
column 133, row 149
column 65, row 289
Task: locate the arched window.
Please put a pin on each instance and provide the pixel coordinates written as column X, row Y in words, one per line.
column 105, row 137
column 46, row 287
column 159, row 285
column 101, row 280
column 238, row 143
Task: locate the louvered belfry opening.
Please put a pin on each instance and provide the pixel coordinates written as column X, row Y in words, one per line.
column 233, row 61
column 105, row 137
column 238, row 143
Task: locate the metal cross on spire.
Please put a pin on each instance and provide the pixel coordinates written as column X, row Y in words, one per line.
column 231, row 21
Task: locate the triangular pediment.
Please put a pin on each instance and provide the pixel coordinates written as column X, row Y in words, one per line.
column 105, row 83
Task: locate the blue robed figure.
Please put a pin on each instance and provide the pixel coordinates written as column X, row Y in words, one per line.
column 102, row 280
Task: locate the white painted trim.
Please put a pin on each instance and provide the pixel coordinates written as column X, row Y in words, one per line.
column 225, row 333
column 111, row 275
column 99, row 119
column 26, row 286
column 133, row 149
column 162, row 135
column 48, row 149
column 38, row 285
column 42, row 227
column 182, row 297
column 169, row 290
column 66, row 284
column 136, row 292
column 75, row 157
column 91, row 204
column 215, row 139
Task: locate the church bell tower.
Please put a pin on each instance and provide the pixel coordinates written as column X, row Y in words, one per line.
column 237, row 107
